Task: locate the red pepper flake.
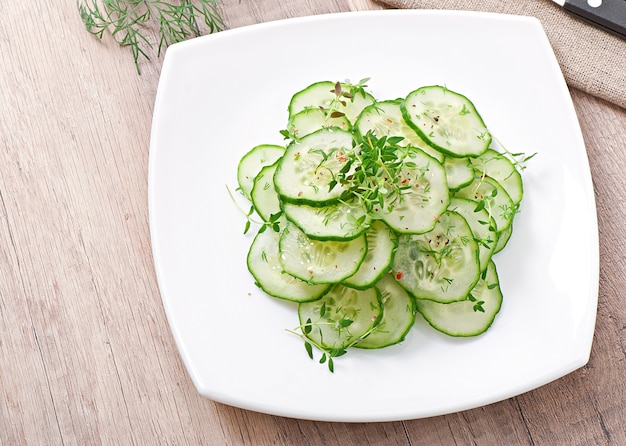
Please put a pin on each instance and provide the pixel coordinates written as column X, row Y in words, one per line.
column 399, row 275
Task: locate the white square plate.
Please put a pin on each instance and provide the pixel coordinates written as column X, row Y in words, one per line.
column 222, row 94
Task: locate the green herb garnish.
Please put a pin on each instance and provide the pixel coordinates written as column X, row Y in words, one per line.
column 133, row 23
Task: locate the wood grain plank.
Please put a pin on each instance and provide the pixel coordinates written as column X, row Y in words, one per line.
column 237, row 14
column 365, row 5
column 78, row 218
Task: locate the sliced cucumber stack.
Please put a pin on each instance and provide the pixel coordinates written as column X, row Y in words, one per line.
column 338, row 221
column 311, row 120
column 376, row 211
column 398, row 315
column 459, row 172
column 252, row 162
column 263, row 194
column 499, row 166
column 489, row 194
column 382, row 242
column 482, row 225
column 265, row 265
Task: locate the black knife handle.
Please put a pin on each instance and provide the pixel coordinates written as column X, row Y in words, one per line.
column 610, row 15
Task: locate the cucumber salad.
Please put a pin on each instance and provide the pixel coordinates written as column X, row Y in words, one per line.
column 375, row 211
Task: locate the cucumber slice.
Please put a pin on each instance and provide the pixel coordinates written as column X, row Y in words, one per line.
column 459, row 172
column 310, row 120
column 490, row 194
column 309, row 165
column 470, row 317
column 503, row 239
column 342, row 317
column 482, row 225
column 417, row 208
column 264, row 264
column 498, row 166
column 263, row 195
column 384, row 118
column 325, row 95
column 446, row 120
column 441, row 265
column 317, row 261
column 339, row 221
column 381, row 246
column 253, row 161
column 398, row 315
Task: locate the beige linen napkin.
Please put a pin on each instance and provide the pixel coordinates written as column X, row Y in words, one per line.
column 592, row 60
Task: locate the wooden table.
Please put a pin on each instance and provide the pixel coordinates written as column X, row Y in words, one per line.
column 86, row 355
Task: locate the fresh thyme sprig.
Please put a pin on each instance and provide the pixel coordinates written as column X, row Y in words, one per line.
column 273, row 222
column 129, row 22
column 327, row 354
column 519, row 159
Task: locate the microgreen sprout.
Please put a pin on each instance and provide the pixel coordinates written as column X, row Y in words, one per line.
column 478, row 304
column 374, row 174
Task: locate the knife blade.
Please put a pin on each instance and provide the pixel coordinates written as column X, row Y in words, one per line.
column 609, row 15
